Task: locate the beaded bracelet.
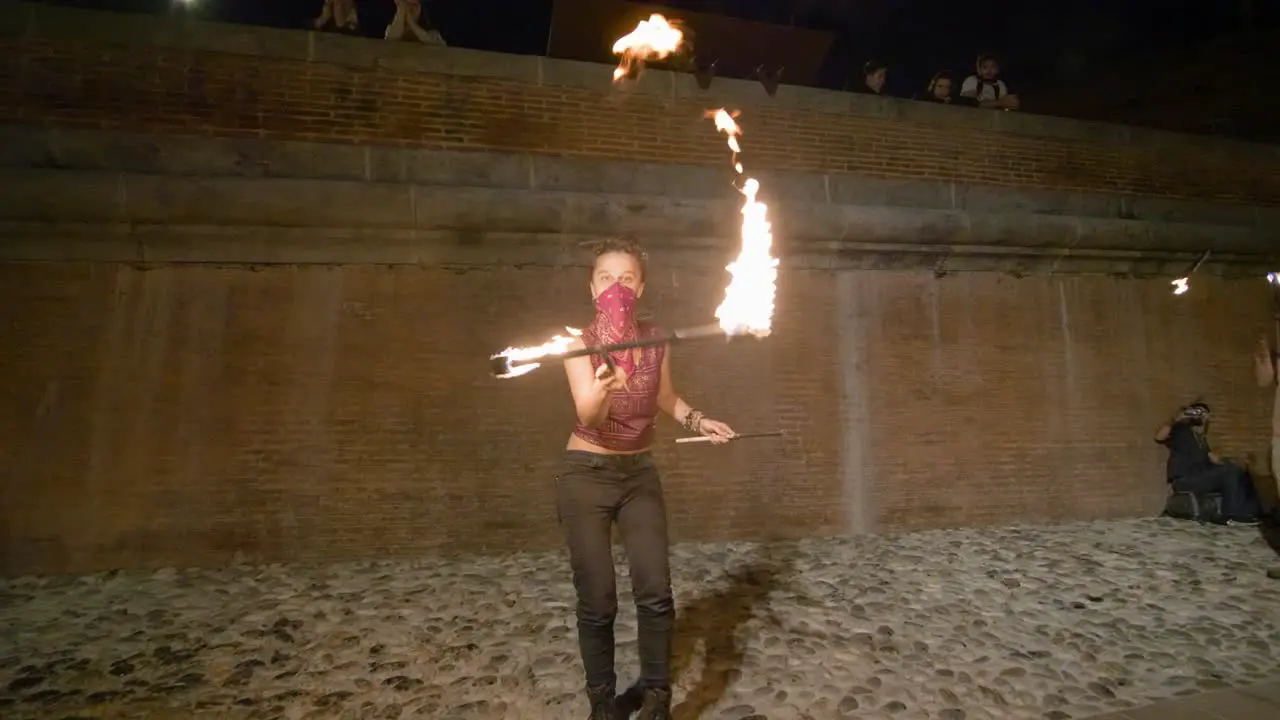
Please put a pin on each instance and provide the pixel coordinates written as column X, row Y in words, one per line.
column 693, row 420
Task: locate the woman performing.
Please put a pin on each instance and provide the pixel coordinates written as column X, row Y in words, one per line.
column 608, row 474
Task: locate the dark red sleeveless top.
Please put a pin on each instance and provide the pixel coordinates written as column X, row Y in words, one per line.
column 629, row 425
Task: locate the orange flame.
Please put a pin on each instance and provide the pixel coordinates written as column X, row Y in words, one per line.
column 518, row 357
column 725, row 124
column 748, row 300
column 653, row 39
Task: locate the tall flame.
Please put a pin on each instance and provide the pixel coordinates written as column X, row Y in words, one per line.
column 653, row 39
column 517, row 356
column 748, row 300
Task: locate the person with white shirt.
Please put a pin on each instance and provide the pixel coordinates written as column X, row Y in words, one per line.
column 985, row 88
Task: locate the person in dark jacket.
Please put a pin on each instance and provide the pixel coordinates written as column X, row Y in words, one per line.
column 872, row 80
column 1192, row 467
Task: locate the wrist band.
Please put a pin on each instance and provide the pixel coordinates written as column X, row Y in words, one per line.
column 693, row 420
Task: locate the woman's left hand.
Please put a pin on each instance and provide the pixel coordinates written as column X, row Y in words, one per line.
column 716, row 430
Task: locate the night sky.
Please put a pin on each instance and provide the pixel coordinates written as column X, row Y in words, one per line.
column 1042, row 44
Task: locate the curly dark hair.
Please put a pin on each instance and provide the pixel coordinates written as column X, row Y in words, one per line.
column 626, row 244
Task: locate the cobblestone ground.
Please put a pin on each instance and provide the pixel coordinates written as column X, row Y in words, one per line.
column 1059, row 622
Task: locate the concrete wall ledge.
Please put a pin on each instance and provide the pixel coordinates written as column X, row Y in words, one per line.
column 166, row 244
column 30, row 20
column 35, row 148
column 111, row 197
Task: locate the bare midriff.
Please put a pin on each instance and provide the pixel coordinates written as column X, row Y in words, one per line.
column 628, row 428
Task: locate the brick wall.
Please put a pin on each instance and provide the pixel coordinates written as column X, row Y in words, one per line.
column 192, row 414
column 145, row 88
column 185, row 415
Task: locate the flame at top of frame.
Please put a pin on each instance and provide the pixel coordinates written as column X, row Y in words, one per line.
column 654, row 38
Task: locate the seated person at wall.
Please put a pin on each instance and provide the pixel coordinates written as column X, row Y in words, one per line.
column 342, row 13
column 939, row 90
column 872, row 80
column 408, row 21
column 1193, row 468
column 985, row 89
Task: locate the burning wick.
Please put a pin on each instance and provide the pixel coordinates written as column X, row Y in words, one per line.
column 514, row 355
column 514, row 362
column 653, row 39
column 1183, row 283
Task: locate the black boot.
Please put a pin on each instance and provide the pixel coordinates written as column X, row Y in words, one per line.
column 630, row 702
column 657, row 704
column 602, row 703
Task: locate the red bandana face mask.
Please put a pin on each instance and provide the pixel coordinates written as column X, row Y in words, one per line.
column 618, row 305
column 615, row 322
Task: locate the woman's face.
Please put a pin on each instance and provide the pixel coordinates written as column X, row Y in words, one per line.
column 616, row 267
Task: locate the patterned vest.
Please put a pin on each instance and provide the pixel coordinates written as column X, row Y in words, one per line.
column 632, row 411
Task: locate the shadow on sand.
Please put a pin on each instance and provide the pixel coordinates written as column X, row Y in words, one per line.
column 714, row 620
column 1270, row 528
column 1265, row 492
column 1271, row 534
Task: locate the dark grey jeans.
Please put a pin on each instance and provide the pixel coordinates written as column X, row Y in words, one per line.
column 1239, row 499
column 592, row 492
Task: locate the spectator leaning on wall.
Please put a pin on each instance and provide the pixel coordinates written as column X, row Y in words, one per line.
column 985, row 88
column 939, row 90
column 409, row 20
column 342, row 13
column 872, row 79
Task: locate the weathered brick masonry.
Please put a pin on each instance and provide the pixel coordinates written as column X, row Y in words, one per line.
column 115, row 85
column 190, row 413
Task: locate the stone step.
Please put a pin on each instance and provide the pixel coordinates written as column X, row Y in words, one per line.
column 144, row 243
